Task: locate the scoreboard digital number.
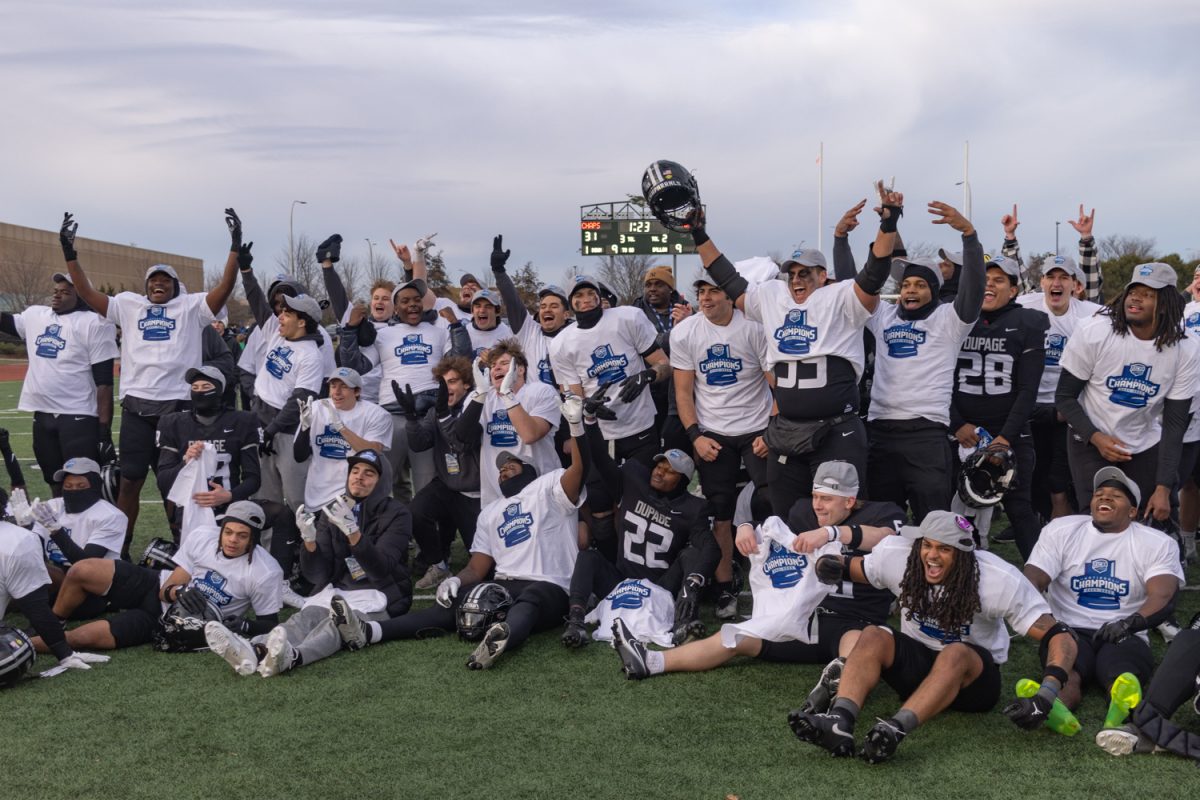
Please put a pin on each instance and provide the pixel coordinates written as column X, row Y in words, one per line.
column 640, row 237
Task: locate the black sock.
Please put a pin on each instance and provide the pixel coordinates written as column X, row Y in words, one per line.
column 724, row 586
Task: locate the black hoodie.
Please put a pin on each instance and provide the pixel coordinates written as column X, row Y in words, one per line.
column 381, row 552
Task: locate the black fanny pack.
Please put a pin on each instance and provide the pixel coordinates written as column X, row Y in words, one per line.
column 790, row 437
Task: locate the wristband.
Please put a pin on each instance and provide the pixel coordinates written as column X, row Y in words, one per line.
column 856, row 536
column 699, row 236
column 694, row 432
column 1057, row 673
column 888, row 224
column 832, row 531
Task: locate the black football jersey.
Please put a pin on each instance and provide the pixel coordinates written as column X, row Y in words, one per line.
column 233, row 435
column 653, row 527
column 987, row 376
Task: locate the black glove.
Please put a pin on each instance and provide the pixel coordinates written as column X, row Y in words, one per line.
column 235, row 230
column 406, row 400
column 1029, row 713
column 66, row 237
column 1121, row 629
column 245, row 257
column 239, row 625
column 687, row 604
column 267, row 446
column 830, row 569
column 634, row 385
column 330, row 249
column 888, row 224
column 442, row 409
column 191, row 600
column 593, row 405
column 107, row 451
column 499, row 257
column 696, row 222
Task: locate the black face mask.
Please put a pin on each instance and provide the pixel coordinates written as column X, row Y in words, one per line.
column 206, row 403
column 516, row 483
column 76, row 501
column 588, row 319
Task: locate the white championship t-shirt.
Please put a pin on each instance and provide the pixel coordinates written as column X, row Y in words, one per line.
column 536, row 346
column 609, row 352
column 647, row 609
column 914, row 363
column 499, row 434
column 327, row 467
column 534, row 535
column 1004, row 594
column 1128, row 380
column 407, row 355
column 1100, row 577
column 231, row 584
column 159, row 343
column 1062, row 327
column 22, row 564
column 486, row 340
column 829, row 323
column 62, row 350
column 289, row 365
column 731, row 391
column 271, row 328
column 103, row 524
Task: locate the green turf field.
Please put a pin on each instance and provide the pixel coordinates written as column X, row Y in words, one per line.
column 408, row 720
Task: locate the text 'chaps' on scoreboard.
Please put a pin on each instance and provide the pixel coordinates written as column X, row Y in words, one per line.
column 627, row 229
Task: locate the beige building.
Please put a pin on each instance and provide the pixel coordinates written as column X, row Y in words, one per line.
column 29, row 257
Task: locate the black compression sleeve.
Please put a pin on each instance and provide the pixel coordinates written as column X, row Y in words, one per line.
column 727, row 277
column 366, row 333
column 1066, row 398
column 336, row 291
column 973, row 276
column 874, row 273
column 602, row 462
column 844, row 268
column 8, row 324
column 36, row 606
column 302, row 446
column 102, row 373
column 1162, row 615
column 72, row 551
column 1176, row 416
column 1028, row 377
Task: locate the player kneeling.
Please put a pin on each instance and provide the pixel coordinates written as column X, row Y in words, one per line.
column 954, row 603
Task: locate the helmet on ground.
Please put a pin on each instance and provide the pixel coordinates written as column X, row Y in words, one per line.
column 986, row 475
column 16, row 655
column 485, row 605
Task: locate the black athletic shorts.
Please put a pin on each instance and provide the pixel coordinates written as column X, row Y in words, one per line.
column 59, row 437
column 135, row 590
column 719, row 478
column 830, row 629
column 1102, row 662
column 914, row 661
column 138, row 444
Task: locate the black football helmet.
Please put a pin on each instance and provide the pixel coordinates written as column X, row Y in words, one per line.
column 485, row 605
column 182, row 632
column 16, row 656
column 672, row 194
column 986, row 475
column 160, row 554
column 110, row 480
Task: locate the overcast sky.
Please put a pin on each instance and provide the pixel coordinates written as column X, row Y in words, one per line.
column 396, row 119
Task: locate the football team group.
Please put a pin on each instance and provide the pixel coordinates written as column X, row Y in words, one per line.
column 610, row 468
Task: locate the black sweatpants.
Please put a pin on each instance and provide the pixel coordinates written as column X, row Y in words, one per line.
column 1174, row 682
column 910, row 465
column 1052, row 471
column 537, row 606
column 1018, row 500
column 790, row 477
column 437, row 512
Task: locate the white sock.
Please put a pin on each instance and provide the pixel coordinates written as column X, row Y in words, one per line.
column 655, row 662
column 374, row 632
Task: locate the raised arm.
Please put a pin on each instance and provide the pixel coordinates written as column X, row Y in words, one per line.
column 1089, row 259
column 513, row 307
column 329, row 252
column 844, row 268
column 418, row 269
column 969, row 300
column 219, row 295
column 578, row 446
column 83, row 287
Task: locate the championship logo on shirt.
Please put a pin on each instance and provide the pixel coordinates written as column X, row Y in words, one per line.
column 500, row 429
column 1191, row 323
column 330, row 444
column 903, row 340
column 1133, row 387
column 514, row 529
column 1055, row 342
column 783, row 567
column 795, row 336
column 606, row 366
column 156, row 326
column 930, row 628
column 718, row 367
column 279, row 361
column 212, row 585
column 413, row 350
column 1099, row 587
column 50, row 343
column 545, row 374
column 628, row 594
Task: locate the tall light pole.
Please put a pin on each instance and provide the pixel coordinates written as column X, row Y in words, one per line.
column 291, row 246
column 966, row 181
column 1056, row 224
column 370, row 254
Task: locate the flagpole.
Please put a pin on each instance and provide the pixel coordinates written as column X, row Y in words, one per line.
column 820, row 196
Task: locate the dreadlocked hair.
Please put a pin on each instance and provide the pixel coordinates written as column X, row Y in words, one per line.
column 1168, row 314
column 957, row 602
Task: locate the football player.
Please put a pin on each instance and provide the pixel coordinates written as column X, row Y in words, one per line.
column 161, row 338
column 954, row 603
column 535, row 334
column 486, row 328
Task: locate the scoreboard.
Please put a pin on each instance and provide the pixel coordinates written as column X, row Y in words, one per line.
column 618, row 237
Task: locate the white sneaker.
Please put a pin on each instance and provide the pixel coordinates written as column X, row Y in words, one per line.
column 493, row 644
column 433, row 576
column 237, row 652
column 1124, row 741
column 291, row 597
column 280, row 653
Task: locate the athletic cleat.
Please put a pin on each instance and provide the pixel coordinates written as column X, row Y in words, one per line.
column 821, row 696
column 1123, row 741
column 351, row 629
column 575, row 634
column 490, row 648
column 432, row 577
column 1005, row 535
column 882, row 741
column 280, row 654
column 237, row 652
column 291, row 597
column 631, row 651
column 1169, row 628
column 727, row 605
column 824, row 730
column 688, row 632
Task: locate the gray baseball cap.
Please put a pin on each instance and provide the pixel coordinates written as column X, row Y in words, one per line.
column 485, row 294
column 1156, row 275
column 1007, row 265
column 347, row 376
column 953, row 256
column 306, row 304
column 920, row 266
column 1065, row 263
column 837, row 478
column 205, row 373
column 944, row 527
column 805, row 257
column 61, row 276
column 165, row 269
column 554, row 289
column 1106, row 474
column 680, row 461
column 585, row 281
column 76, row 466
column 505, row 456
column 245, row 512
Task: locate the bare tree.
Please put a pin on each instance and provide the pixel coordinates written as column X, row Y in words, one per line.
column 350, row 270
column 1117, row 246
column 378, row 268
column 24, row 279
column 625, row 275
column 304, row 267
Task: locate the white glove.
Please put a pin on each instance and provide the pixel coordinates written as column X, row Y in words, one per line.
column 305, row 406
column 76, row 660
column 506, row 385
column 340, row 511
column 45, row 515
column 572, row 411
column 18, row 506
column 336, row 421
column 448, row 590
column 482, row 382
column 306, row 521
